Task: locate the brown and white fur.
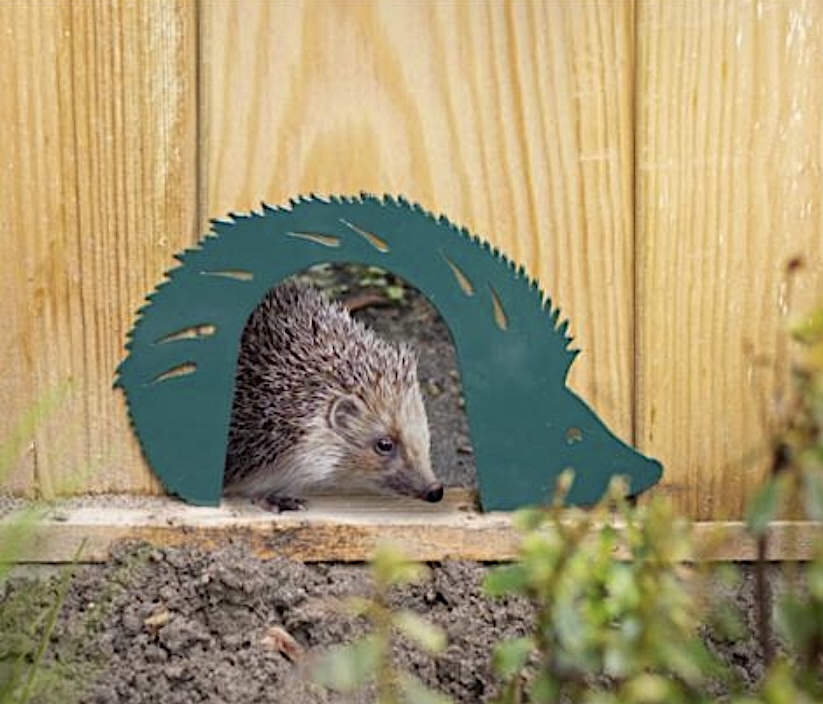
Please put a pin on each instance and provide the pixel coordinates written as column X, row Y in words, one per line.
column 321, row 401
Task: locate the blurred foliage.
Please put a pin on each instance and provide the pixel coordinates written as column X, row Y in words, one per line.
column 625, row 631
column 43, row 658
column 341, row 280
column 31, row 670
column 619, row 598
column 27, row 624
column 15, row 534
column 616, row 613
column 797, row 481
column 368, row 659
column 27, row 621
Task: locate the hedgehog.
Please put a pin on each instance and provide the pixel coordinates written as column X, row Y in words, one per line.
column 321, row 402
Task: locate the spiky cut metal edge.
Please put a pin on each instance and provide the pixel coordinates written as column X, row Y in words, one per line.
column 513, row 364
column 556, row 324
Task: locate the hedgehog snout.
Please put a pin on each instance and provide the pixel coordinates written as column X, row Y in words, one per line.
column 433, row 492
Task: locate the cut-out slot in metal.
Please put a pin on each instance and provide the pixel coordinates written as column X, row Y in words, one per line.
column 317, row 238
column 379, row 244
column 462, row 280
column 236, row 274
column 573, row 435
column 180, row 395
column 195, row 332
column 500, row 318
column 177, row 371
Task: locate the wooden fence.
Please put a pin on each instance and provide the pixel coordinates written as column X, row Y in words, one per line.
column 654, row 163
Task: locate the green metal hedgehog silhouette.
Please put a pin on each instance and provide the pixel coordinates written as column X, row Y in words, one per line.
column 526, row 425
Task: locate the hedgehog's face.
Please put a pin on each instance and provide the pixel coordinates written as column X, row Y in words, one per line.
column 386, row 445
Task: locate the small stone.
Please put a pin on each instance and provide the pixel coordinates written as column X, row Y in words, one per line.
column 157, row 620
column 155, row 654
column 132, row 624
column 281, row 641
column 433, row 387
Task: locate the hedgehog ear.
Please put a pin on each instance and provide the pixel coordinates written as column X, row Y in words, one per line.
column 346, row 413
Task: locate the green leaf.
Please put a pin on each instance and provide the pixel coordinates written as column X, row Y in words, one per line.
column 390, row 566
column 810, row 330
column 544, row 689
column 795, row 621
column 765, row 505
column 563, row 485
column 814, row 580
column 691, row 661
column 415, row 692
column 428, row 635
column 780, row 686
column 510, row 579
column 726, row 620
column 813, row 494
column 511, row 656
column 647, row 688
column 358, row 605
column 624, row 589
column 525, row 520
column 16, row 534
column 618, row 489
column 350, row 667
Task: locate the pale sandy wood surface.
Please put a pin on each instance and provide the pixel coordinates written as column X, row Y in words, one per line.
column 98, row 189
column 341, row 530
column 512, row 118
column 730, row 177
column 23, row 180
column 654, row 163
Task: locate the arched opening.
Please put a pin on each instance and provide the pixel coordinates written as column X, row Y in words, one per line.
column 397, row 313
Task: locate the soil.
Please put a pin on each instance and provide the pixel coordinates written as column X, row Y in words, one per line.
column 221, row 606
column 181, row 625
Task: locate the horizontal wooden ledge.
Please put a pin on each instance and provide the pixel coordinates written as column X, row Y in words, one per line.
column 337, row 530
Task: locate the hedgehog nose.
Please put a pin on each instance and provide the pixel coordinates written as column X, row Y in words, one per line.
column 433, row 493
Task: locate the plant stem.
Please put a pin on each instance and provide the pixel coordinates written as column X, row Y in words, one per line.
column 62, row 592
column 763, row 599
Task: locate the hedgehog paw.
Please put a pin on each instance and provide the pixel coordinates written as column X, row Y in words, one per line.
column 278, row 504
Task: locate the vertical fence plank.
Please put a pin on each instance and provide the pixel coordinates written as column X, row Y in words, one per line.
column 730, row 172
column 100, row 185
column 512, row 118
column 22, row 185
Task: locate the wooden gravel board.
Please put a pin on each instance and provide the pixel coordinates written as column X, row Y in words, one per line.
column 342, row 530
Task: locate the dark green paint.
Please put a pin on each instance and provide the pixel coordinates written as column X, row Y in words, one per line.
column 526, row 425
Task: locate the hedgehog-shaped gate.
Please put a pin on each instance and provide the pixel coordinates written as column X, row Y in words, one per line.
column 526, row 425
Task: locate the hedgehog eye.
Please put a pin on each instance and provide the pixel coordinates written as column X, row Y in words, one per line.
column 384, row 446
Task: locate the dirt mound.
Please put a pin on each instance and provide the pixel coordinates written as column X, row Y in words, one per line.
column 191, row 626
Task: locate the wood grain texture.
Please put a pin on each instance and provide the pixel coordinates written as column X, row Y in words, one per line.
column 332, row 530
column 730, row 176
column 513, row 118
column 655, row 164
column 23, row 179
column 98, row 145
